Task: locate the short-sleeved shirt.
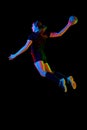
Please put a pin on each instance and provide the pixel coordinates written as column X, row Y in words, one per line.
column 38, row 46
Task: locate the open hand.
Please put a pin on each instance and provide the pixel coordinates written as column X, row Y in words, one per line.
column 11, row 57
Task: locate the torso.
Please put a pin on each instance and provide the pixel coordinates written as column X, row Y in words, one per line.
column 37, row 47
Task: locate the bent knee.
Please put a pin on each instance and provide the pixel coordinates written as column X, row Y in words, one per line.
column 42, row 73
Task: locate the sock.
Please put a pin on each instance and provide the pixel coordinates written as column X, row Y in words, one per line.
column 60, row 75
column 52, row 77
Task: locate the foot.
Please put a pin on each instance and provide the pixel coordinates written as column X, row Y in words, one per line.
column 62, row 84
column 70, row 80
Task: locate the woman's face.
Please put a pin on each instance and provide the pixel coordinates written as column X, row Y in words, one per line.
column 35, row 28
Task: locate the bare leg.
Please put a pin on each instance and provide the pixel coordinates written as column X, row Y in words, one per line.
column 47, row 68
column 40, row 67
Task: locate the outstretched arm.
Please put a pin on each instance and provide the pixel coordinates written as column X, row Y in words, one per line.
column 23, row 49
column 72, row 21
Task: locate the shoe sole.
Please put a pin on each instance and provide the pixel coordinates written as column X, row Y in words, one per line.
column 72, row 82
column 65, row 87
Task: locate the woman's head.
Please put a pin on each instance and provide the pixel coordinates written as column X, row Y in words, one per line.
column 37, row 26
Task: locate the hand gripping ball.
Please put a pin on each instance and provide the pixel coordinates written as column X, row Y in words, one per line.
column 73, row 19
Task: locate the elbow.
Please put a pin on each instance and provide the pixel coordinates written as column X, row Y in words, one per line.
column 27, row 45
column 60, row 34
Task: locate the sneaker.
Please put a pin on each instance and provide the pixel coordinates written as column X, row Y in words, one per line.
column 70, row 80
column 62, row 84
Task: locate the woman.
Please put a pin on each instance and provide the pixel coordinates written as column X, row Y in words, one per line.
column 36, row 41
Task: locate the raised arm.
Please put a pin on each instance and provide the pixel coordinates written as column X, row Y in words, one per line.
column 72, row 21
column 23, row 49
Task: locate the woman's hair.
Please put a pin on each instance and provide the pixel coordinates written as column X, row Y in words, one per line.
column 39, row 24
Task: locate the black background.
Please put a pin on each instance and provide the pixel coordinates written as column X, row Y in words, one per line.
column 25, row 96
column 19, row 79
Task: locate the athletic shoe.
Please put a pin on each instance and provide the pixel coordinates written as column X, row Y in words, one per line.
column 70, row 80
column 62, row 84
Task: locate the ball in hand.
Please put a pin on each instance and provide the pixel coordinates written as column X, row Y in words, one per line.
column 73, row 20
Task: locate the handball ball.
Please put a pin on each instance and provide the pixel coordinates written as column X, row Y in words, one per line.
column 73, row 19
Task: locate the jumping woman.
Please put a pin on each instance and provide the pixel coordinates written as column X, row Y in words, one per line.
column 36, row 41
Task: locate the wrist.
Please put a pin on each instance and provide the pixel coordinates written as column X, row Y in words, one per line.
column 69, row 23
column 15, row 55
